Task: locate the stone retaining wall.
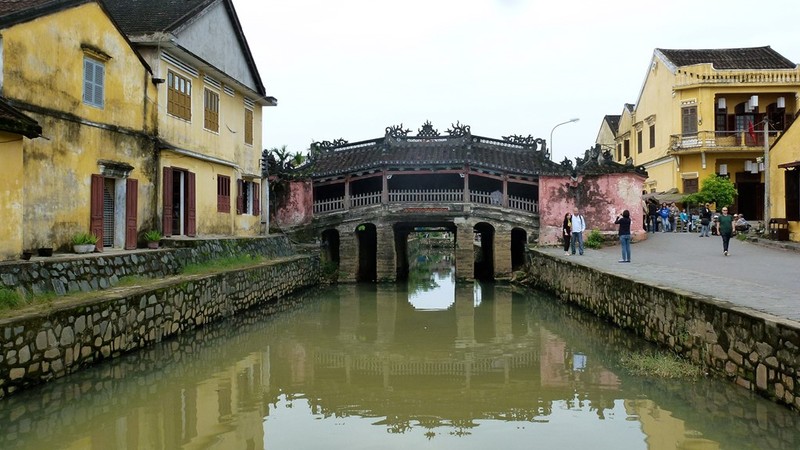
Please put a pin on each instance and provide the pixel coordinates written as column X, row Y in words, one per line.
column 35, row 348
column 68, row 273
column 755, row 350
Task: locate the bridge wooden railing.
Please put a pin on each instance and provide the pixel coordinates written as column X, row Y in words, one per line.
column 425, row 196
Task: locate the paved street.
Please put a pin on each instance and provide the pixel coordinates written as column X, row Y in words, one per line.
column 753, row 275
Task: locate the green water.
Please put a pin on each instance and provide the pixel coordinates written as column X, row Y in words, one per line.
column 433, row 364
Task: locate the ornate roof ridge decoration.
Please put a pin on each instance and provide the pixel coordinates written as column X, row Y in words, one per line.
column 396, row 131
column 596, row 161
column 427, row 130
column 329, row 146
column 528, row 141
column 459, row 130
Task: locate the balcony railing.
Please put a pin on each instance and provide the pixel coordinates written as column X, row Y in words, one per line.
column 704, row 74
column 721, row 140
column 425, row 196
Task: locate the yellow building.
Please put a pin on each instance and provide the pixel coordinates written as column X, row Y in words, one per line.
column 209, row 118
column 702, row 112
column 784, row 180
column 15, row 127
column 67, row 66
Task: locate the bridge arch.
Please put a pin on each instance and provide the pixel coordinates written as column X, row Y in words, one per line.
column 330, row 246
column 484, row 233
column 519, row 242
column 367, row 244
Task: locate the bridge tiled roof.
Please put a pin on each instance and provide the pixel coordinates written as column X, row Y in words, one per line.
column 13, row 120
column 409, row 153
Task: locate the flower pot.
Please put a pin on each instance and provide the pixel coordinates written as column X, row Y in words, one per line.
column 26, row 256
column 153, row 244
column 83, row 248
column 45, row 251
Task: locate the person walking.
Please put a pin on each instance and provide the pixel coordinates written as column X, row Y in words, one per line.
column 652, row 212
column 566, row 232
column 578, row 226
column 725, row 227
column 663, row 212
column 624, row 222
column 705, row 220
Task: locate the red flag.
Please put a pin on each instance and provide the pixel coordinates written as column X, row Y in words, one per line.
column 751, row 130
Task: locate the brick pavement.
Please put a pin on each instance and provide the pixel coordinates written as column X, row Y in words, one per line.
column 755, row 276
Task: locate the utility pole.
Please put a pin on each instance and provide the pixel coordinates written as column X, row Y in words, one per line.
column 766, row 173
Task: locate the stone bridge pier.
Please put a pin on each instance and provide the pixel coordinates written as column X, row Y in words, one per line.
column 377, row 251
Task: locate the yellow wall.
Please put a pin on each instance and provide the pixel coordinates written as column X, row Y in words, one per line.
column 47, row 72
column 786, row 150
column 227, row 145
column 11, row 202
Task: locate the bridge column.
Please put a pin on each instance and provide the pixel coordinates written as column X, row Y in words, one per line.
column 502, row 252
column 348, row 255
column 386, row 257
column 465, row 251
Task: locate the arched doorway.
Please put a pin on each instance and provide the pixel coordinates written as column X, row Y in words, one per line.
column 330, row 246
column 484, row 251
column 519, row 242
column 367, row 241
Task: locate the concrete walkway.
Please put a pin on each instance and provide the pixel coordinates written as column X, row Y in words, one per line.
column 756, row 276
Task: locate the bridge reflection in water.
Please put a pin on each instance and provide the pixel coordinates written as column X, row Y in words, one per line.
column 363, row 366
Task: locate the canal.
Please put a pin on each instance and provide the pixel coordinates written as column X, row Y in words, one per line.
column 428, row 364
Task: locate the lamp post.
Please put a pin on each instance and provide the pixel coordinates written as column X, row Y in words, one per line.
column 554, row 129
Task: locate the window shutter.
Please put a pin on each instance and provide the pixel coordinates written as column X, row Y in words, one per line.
column 792, row 178
column 256, row 199
column 131, row 213
column 99, row 82
column 191, row 211
column 88, row 82
column 166, row 212
column 239, row 197
column 96, row 214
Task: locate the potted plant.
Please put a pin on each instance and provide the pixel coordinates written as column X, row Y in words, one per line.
column 152, row 237
column 84, row 242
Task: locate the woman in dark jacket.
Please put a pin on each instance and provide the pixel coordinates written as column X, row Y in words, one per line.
column 566, row 232
column 624, row 222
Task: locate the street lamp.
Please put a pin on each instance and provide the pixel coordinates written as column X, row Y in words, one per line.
column 554, row 129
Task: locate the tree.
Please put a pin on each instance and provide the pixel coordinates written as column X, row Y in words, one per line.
column 715, row 189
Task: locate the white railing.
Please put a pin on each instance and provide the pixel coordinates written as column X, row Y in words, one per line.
column 523, row 204
column 370, row 198
column 429, row 196
column 334, row 204
column 426, row 196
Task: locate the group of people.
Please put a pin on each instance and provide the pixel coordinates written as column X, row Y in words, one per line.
column 666, row 217
column 724, row 224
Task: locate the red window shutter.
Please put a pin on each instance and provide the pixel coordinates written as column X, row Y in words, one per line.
column 166, row 212
column 256, row 199
column 239, row 198
column 96, row 220
column 131, row 213
column 191, row 211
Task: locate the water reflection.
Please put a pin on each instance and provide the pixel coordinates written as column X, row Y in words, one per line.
column 364, row 367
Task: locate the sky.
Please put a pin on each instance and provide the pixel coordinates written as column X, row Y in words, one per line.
column 347, row 69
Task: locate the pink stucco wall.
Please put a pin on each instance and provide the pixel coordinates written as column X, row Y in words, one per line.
column 298, row 207
column 599, row 198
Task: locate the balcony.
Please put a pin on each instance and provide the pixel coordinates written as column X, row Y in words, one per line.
column 720, row 141
column 430, row 196
column 705, row 74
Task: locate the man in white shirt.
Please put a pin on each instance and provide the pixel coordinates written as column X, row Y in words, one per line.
column 578, row 225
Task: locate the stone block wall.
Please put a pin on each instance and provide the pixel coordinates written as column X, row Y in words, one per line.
column 755, row 350
column 68, row 274
column 38, row 347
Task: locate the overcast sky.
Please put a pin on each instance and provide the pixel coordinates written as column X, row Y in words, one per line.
column 350, row 68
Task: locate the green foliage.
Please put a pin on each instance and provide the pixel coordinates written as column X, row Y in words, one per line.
column 84, row 239
column 9, row 299
column 329, row 271
column 152, row 236
column 715, row 189
column 660, row 365
column 218, row 265
column 594, row 240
